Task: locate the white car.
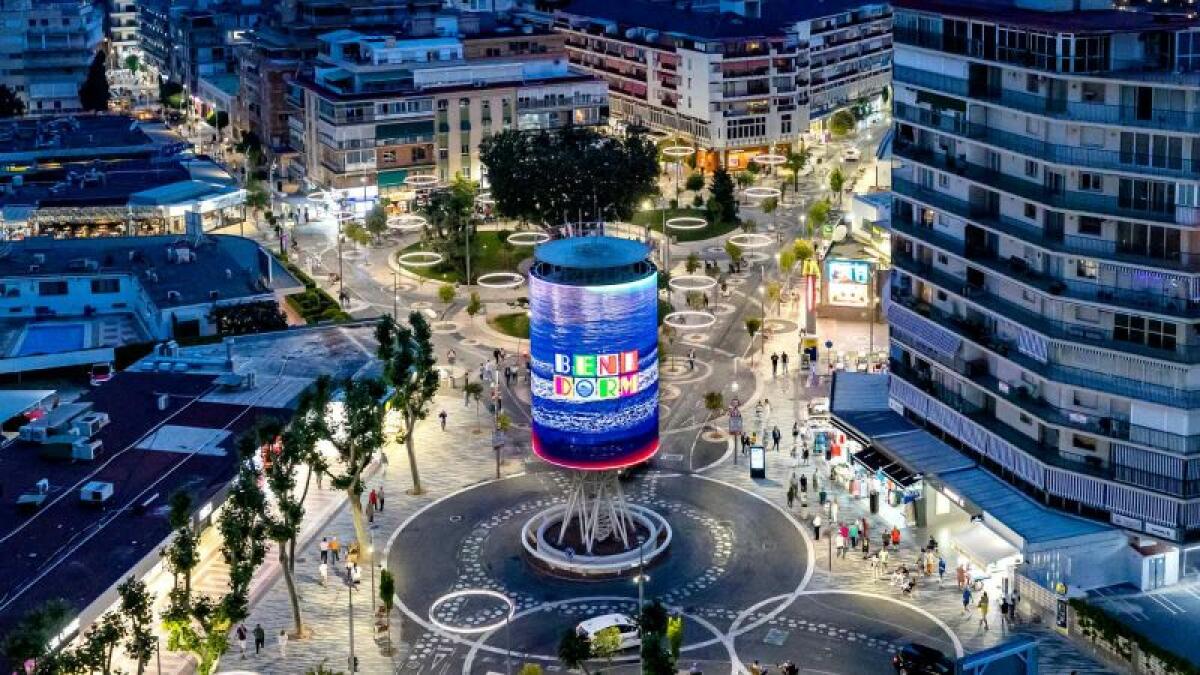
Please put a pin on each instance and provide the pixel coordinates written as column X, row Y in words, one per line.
column 818, row 407
column 851, row 155
column 626, row 626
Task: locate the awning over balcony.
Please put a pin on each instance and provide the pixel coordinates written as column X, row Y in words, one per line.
column 939, row 339
column 982, row 545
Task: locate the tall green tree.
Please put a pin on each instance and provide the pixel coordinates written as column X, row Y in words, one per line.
column 94, row 93
column 722, row 190
column 295, row 445
column 30, row 637
column 842, row 123
column 243, row 523
column 410, row 369
column 551, row 177
column 132, row 64
column 794, row 162
column 574, row 650
column 452, row 222
column 837, row 181
column 137, row 610
column 376, row 222
column 356, row 437
column 11, row 105
column 182, row 553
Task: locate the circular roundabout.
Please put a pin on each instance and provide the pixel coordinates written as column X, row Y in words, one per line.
column 717, row 533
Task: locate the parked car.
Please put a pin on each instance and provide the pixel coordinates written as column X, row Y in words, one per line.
column 626, row 626
column 851, row 155
column 918, row 659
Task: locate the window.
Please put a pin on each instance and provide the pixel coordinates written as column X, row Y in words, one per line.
column 943, row 180
column 1085, row 399
column 1033, row 126
column 106, row 286
column 943, row 260
column 1031, row 83
column 1086, row 443
column 941, row 296
column 1031, row 168
column 1087, row 314
column 1140, row 330
column 52, row 288
column 1091, row 225
column 1091, row 182
column 1030, row 211
column 1026, row 419
column 1087, row 269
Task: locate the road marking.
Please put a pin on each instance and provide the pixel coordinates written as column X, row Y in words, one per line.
column 1167, row 605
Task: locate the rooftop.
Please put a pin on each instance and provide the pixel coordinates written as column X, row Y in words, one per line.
column 1093, row 21
column 46, row 138
column 672, row 17
column 136, row 182
column 230, row 266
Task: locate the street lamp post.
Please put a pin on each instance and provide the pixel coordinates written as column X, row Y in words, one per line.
column 641, row 582
column 371, row 558
column 350, row 605
column 395, row 294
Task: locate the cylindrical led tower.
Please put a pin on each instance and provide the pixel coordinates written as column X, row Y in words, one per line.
column 593, row 337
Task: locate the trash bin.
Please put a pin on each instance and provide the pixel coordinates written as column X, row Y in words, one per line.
column 821, row 496
column 874, row 502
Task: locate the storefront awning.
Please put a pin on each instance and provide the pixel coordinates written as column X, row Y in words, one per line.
column 875, row 461
column 983, row 545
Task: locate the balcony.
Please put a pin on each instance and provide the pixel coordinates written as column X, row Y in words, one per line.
column 1071, row 111
column 1129, row 162
column 1097, row 337
column 1044, row 453
column 1105, row 206
column 978, row 334
column 1128, row 298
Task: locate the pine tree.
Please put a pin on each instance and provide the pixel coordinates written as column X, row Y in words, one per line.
column 93, row 93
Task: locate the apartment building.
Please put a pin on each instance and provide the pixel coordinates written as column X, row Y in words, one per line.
column 46, row 47
column 378, row 109
column 122, row 30
column 733, row 78
column 187, row 40
column 1045, row 298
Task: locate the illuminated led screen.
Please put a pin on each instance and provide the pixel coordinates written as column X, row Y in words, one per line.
column 595, row 372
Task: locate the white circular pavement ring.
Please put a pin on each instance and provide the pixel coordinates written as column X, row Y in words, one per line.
column 755, row 257
column 319, row 196
column 751, row 240
column 768, row 159
column 443, row 327
column 509, row 612
column 735, row 281
column 762, row 192
column 692, row 282
column 696, row 338
column 501, row 280
column 533, row 538
column 528, row 238
column 420, row 259
column 722, row 309
column 689, row 319
column 421, row 304
column 421, row 181
column 686, row 223
column 407, row 222
column 678, row 152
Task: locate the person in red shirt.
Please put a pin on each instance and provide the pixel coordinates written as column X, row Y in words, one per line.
column 895, row 536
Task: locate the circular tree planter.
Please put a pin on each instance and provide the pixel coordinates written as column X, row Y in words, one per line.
column 686, row 223
column 420, row 259
column 750, row 240
column 691, row 282
column 502, row 280
column 689, row 319
column 527, row 238
column 762, row 192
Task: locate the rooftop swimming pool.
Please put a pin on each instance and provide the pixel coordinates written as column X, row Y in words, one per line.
column 51, row 338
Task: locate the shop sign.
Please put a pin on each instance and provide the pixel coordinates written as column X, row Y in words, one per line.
column 1125, row 521
column 1160, row 531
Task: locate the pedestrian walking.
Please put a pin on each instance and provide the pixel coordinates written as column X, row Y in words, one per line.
column 1016, row 602
column 886, row 537
column 496, row 355
column 383, row 464
column 767, row 407
column 324, row 547
column 839, row 545
column 866, row 548
column 335, row 549
column 966, row 599
column 862, row 530
column 816, row 523
column 370, row 513
column 776, row 436
column 241, row 634
column 442, row 418
column 804, row 455
column 692, row 359
column 373, row 499
column 884, row 556
column 833, row 510
column 983, row 610
column 941, row 569
column 803, row 484
column 283, row 640
column 895, row 536
column 774, row 364
column 791, row 495
column 324, row 571
column 1004, row 607
column 260, row 638
column 381, row 497
column 854, row 534
column 795, row 435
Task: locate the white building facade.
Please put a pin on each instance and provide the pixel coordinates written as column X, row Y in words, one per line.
column 1045, row 297
column 46, row 47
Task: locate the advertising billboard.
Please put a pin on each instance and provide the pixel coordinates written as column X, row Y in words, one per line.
column 848, row 282
column 594, row 353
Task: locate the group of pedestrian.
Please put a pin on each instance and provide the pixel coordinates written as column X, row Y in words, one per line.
column 242, row 634
column 779, row 359
column 375, row 502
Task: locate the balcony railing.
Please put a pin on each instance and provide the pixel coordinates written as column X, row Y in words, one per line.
column 1099, row 204
column 1129, row 298
column 1097, row 337
column 1075, row 111
column 1115, row 385
column 1132, row 162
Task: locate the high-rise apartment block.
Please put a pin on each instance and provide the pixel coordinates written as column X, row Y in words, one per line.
column 1045, row 300
column 46, row 47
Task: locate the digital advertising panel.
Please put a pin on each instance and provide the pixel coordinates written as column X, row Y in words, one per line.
column 594, row 351
column 848, row 282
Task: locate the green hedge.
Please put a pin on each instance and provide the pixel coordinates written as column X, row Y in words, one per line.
column 1100, row 626
column 314, row 304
